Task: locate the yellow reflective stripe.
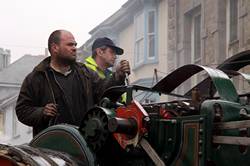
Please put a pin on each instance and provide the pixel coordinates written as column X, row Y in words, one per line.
column 101, row 74
column 124, row 97
column 91, row 64
column 90, row 60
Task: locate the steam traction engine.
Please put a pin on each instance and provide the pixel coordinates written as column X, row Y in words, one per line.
column 208, row 126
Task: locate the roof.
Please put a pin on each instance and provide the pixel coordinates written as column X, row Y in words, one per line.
column 125, row 11
column 16, row 72
column 7, row 101
column 116, row 21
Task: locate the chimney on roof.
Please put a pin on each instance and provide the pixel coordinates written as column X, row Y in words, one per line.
column 46, row 52
column 4, row 58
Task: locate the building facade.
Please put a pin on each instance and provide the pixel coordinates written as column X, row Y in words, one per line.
column 11, row 77
column 207, row 32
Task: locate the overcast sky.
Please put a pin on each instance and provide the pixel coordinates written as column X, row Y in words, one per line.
column 26, row 24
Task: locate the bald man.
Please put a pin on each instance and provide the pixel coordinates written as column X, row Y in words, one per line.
column 60, row 90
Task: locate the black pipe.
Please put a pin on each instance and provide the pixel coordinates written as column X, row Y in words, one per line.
column 122, row 125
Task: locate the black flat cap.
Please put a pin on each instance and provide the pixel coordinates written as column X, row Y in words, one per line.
column 104, row 41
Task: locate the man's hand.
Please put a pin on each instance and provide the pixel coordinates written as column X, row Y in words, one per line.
column 50, row 110
column 122, row 68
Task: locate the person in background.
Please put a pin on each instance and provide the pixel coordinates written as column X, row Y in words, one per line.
column 104, row 53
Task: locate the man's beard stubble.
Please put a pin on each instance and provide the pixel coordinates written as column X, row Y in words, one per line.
column 67, row 60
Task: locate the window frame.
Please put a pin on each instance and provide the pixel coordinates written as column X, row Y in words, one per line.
column 144, row 58
column 139, row 58
column 151, row 34
column 194, row 59
column 2, row 122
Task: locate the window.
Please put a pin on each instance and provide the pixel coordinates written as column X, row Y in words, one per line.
column 192, row 45
column 196, row 39
column 145, row 36
column 233, row 20
column 15, row 126
column 5, row 58
column 151, row 34
column 1, row 123
column 196, row 44
column 139, row 38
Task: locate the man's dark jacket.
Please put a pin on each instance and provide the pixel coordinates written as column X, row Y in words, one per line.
column 40, row 88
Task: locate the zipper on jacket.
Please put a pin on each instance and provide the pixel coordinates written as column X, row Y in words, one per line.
column 53, row 98
column 64, row 97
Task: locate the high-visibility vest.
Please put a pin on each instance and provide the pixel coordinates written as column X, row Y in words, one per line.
column 91, row 64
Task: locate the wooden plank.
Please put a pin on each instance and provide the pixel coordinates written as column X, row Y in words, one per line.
column 231, row 140
column 232, row 125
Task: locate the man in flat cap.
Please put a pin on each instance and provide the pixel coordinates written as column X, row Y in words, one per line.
column 103, row 57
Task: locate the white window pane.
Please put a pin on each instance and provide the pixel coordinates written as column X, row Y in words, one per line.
column 1, row 123
column 139, row 51
column 139, row 38
column 139, row 22
column 141, row 54
column 233, row 19
column 15, row 125
column 151, row 46
column 197, row 37
column 151, row 22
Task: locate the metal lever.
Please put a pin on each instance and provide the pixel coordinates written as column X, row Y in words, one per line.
column 126, row 79
column 151, row 152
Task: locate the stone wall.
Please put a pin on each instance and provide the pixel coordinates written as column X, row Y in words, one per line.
column 215, row 29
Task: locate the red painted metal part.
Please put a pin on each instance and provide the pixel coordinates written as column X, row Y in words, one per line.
column 165, row 114
column 137, row 112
